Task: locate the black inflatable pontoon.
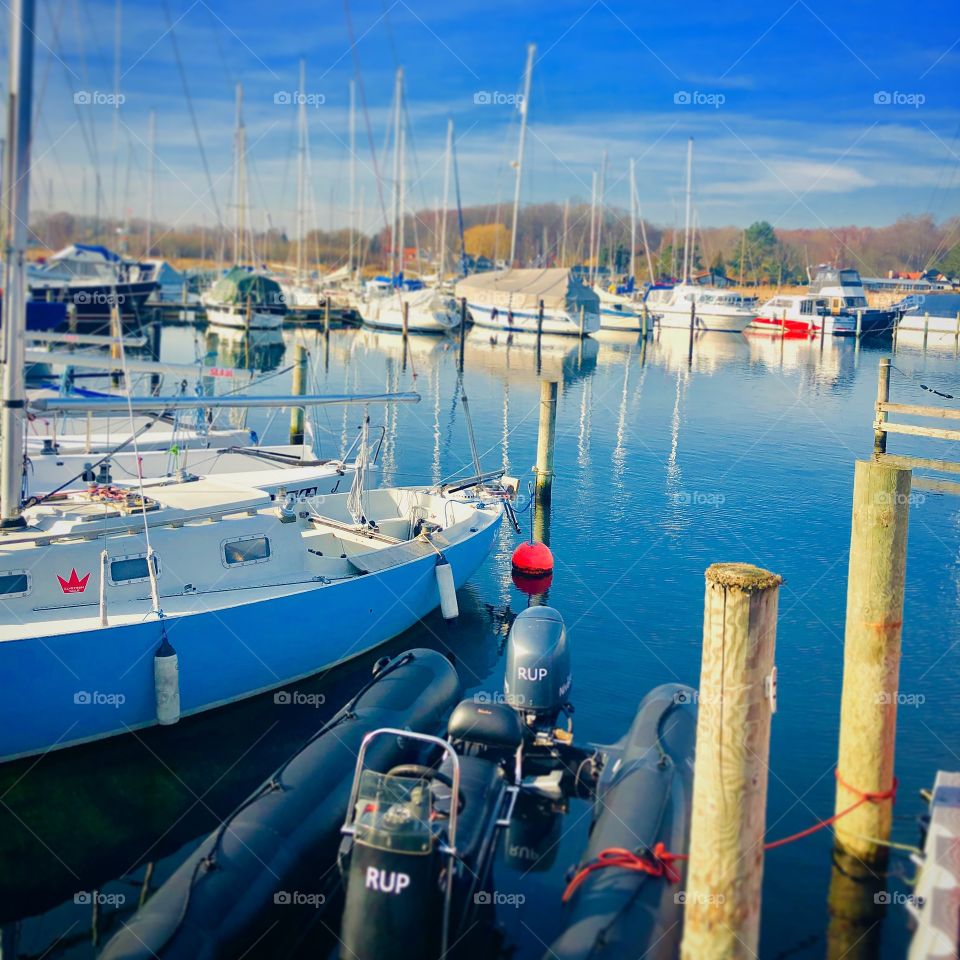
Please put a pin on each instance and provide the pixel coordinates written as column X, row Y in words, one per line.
column 236, row 891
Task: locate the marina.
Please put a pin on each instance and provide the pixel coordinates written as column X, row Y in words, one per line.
column 438, row 523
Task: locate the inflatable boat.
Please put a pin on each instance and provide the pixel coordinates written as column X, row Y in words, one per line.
column 422, row 817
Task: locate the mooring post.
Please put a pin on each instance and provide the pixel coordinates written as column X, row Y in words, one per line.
column 583, row 317
column 299, row 388
column 871, row 657
column 463, row 331
column 693, row 320
column 539, row 320
column 545, row 440
column 823, row 331
column 859, row 322
column 880, row 418
column 644, row 323
column 737, row 698
column 406, row 319
column 326, row 316
column 926, row 328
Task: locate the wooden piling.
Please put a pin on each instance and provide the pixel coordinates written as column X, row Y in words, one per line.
column 883, row 396
column 926, row 329
column 546, row 439
column 859, row 323
column 299, row 388
column 326, row 316
column 583, row 318
column 540, row 320
column 643, row 330
column 736, row 702
column 693, row 320
column 406, row 319
column 871, row 656
column 956, row 335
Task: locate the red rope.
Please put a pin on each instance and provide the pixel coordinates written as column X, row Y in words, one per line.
column 659, row 861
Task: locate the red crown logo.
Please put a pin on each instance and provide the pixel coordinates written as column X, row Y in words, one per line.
column 74, row 584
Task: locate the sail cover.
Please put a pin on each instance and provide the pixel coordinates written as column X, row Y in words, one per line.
column 558, row 287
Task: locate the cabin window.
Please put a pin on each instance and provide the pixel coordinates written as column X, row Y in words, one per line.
column 806, row 307
column 132, row 569
column 14, row 583
column 244, row 550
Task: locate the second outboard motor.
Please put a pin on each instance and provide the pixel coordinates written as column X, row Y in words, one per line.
column 538, row 679
column 394, row 904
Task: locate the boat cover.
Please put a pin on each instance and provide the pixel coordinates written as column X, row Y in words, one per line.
column 559, row 289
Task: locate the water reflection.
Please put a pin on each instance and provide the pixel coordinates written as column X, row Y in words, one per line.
column 524, row 357
column 259, row 350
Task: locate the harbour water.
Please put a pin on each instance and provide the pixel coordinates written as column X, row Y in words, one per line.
column 666, row 462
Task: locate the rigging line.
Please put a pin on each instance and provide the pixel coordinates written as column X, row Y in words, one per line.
column 193, row 114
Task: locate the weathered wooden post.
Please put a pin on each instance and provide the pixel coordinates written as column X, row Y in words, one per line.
column 326, row 316
column 545, row 440
column 823, row 331
column 406, row 319
column 693, row 320
column 859, row 323
column 463, row 331
column 926, row 329
column 583, row 318
column 736, row 701
column 540, row 320
column 871, row 658
column 644, row 323
column 298, row 389
column 883, row 396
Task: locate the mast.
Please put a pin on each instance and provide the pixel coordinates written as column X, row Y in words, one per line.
column 353, row 179
column 152, row 177
column 687, row 264
column 633, row 222
column 239, row 225
column 16, row 216
column 401, row 225
column 563, row 240
column 446, row 199
column 394, row 230
column 524, row 112
column 301, row 171
column 593, row 225
column 600, row 201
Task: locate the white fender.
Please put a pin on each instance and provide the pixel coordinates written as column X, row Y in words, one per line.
column 166, row 681
column 448, row 591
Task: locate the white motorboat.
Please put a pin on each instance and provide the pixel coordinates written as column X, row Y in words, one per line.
column 244, row 300
column 427, row 311
column 707, row 308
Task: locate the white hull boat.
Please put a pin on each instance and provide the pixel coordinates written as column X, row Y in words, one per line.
column 713, row 309
column 428, row 311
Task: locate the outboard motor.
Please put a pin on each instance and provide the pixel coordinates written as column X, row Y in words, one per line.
column 538, row 679
column 394, row 901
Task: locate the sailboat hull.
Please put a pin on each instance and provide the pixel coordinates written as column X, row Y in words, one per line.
column 83, row 686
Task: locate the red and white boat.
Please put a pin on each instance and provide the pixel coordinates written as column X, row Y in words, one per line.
column 793, row 315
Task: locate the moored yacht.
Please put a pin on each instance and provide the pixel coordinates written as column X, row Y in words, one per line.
column 245, row 300
column 846, row 300
column 548, row 301
column 707, row 308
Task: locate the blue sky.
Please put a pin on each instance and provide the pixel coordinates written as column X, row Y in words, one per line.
column 781, row 98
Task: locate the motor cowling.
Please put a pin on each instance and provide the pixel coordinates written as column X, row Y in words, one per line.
column 393, row 906
column 538, row 678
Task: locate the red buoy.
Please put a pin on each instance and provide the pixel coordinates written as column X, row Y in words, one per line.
column 532, row 560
